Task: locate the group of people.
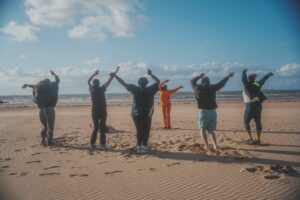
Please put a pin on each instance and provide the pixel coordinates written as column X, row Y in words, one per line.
column 45, row 95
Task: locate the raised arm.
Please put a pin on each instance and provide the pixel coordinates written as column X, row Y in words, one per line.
column 120, row 80
column 244, row 77
column 111, row 77
column 262, row 81
column 28, row 85
column 91, row 78
column 55, row 75
column 163, row 83
column 195, row 80
column 222, row 83
column 176, row 89
column 153, row 76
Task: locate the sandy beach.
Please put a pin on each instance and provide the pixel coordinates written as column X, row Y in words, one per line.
column 176, row 168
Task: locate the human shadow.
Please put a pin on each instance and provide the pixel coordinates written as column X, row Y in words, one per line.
column 272, row 132
column 294, row 153
column 216, row 158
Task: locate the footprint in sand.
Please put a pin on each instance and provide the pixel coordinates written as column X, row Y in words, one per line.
column 49, row 174
column 113, row 172
column 34, row 161
column 17, row 150
column 24, row 174
column 102, row 162
column 4, row 167
column 52, row 167
column 11, row 174
column 271, row 177
column 172, row 164
column 80, row 175
column 37, row 153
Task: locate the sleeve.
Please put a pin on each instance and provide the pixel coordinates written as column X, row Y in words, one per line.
column 131, row 88
column 220, row 85
column 194, row 82
column 103, row 87
column 262, row 81
column 57, row 80
column 154, row 87
column 244, row 79
column 174, row 90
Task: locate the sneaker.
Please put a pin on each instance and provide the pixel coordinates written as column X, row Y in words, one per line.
column 250, row 142
column 92, row 147
column 257, row 142
column 145, row 148
column 102, row 147
column 138, row 149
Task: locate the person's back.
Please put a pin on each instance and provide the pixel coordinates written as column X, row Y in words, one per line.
column 143, row 98
column 98, row 97
column 205, row 92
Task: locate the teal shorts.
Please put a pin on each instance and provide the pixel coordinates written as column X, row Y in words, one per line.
column 207, row 120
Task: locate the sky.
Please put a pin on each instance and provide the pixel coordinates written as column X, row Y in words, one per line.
column 176, row 39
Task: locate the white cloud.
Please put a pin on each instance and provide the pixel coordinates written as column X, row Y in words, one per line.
column 94, row 61
column 289, row 70
column 21, row 32
column 96, row 18
column 23, row 56
column 73, row 79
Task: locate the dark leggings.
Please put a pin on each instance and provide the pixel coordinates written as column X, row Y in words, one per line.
column 253, row 111
column 142, row 125
column 99, row 120
column 47, row 118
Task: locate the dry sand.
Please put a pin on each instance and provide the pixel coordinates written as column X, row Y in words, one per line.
column 176, row 168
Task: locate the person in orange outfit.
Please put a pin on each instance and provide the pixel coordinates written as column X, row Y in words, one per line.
column 165, row 102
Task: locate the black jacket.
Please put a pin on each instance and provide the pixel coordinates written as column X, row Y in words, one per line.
column 206, row 95
column 47, row 95
column 253, row 90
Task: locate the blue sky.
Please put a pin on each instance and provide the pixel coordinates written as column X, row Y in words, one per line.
column 177, row 39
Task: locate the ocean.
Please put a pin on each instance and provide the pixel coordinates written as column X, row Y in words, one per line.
column 84, row 99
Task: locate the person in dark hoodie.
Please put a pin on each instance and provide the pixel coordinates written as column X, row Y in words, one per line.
column 45, row 95
column 205, row 94
column 253, row 98
column 99, row 108
column 142, row 108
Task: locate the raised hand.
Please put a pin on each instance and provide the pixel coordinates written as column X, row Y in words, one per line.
column 271, row 73
column 180, row 87
column 245, row 70
column 52, row 72
column 96, row 72
column 231, row 74
column 24, row 86
column 149, row 72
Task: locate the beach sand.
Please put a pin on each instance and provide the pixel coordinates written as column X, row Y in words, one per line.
column 176, row 168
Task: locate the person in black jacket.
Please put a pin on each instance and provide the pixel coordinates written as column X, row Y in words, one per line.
column 99, row 108
column 142, row 108
column 253, row 98
column 205, row 94
column 45, row 95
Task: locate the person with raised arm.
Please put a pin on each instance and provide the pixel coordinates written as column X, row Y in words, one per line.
column 99, row 108
column 165, row 102
column 253, row 99
column 45, row 95
column 142, row 108
column 205, row 94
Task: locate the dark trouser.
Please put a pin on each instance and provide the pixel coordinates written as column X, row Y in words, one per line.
column 143, row 126
column 99, row 120
column 47, row 118
column 253, row 111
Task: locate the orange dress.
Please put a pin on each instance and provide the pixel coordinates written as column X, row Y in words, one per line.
column 165, row 102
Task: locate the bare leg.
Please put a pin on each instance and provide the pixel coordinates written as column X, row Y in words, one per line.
column 250, row 135
column 213, row 139
column 204, row 138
